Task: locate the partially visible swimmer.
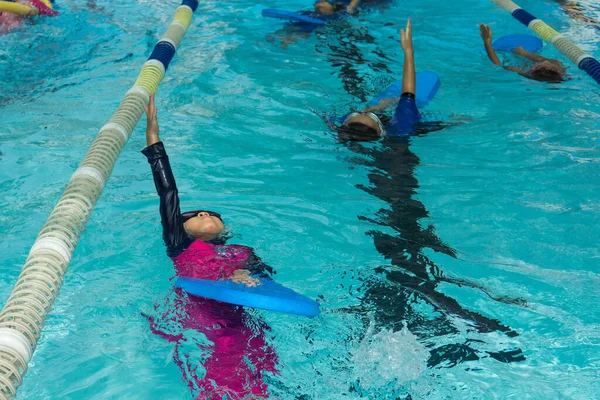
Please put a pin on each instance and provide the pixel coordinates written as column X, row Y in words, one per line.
column 329, row 7
column 365, row 125
column 324, row 10
column 239, row 354
column 577, row 12
column 12, row 19
column 543, row 70
column 9, row 22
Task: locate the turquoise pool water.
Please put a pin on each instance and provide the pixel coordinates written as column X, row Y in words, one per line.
column 511, row 194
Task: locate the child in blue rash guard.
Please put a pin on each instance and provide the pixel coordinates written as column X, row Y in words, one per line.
column 365, row 125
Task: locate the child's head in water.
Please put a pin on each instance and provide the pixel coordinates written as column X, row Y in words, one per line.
column 361, row 126
column 357, row 132
column 203, row 225
column 550, row 71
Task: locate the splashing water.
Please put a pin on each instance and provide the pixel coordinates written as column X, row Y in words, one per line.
column 389, row 356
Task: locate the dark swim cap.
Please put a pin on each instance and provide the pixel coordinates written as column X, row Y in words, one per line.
column 357, row 132
column 191, row 214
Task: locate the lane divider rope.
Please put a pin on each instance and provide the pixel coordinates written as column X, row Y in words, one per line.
column 22, row 318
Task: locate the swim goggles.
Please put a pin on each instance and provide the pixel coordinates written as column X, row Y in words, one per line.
column 373, row 117
column 191, row 214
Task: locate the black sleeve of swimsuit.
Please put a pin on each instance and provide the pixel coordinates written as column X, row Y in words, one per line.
column 174, row 235
column 256, row 266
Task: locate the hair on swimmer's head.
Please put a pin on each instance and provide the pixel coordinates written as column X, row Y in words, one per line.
column 357, row 132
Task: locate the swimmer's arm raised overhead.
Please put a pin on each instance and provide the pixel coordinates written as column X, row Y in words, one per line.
column 409, row 76
column 174, row 235
column 352, row 6
column 151, row 123
column 486, row 34
column 406, row 115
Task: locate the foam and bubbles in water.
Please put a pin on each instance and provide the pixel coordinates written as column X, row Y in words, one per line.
column 388, row 356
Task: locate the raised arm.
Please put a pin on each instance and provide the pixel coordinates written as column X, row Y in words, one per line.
column 486, row 34
column 174, row 235
column 352, row 6
column 409, row 80
column 409, row 77
column 407, row 115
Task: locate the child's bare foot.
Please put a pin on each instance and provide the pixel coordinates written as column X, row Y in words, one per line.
column 243, row 276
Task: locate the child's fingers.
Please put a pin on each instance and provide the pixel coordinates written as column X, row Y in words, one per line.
column 151, row 101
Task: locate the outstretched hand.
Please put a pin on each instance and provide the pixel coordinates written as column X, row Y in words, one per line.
column 406, row 37
column 352, row 6
column 151, row 122
column 243, row 276
column 486, row 33
column 33, row 11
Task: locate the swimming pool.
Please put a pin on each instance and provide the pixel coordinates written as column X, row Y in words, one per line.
column 510, row 193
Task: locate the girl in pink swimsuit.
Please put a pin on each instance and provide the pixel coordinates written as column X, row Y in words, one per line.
column 10, row 21
column 239, row 354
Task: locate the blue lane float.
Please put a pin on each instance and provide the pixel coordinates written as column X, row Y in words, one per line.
column 163, row 51
column 269, row 295
column 530, row 43
column 193, row 4
column 592, row 67
column 428, row 83
column 291, row 16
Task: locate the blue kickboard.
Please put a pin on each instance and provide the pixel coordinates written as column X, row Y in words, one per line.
column 269, row 295
column 532, row 44
column 428, row 83
column 291, row 16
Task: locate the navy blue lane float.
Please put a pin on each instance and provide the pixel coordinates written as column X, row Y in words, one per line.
column 163, row 51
